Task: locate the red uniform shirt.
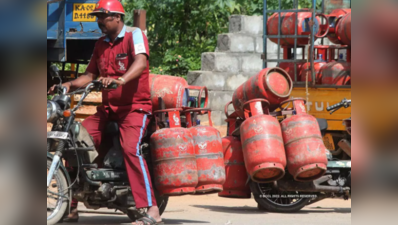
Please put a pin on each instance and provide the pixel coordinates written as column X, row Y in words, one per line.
column 113, row 60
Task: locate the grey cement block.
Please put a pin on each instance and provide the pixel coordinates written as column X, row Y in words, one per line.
column 220, row 62
column 235, row 43
column 252, row 25
column 234, row 81
column 218, row 81
column 252, row 63
column 212, row 80
column 218, row 99
column 192, row 76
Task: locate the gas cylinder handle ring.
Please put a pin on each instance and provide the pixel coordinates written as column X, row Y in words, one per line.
column 291, row 100
column 320, row 25
column 337, row 20
column 264, row 102
column 198, row 110
column 226, row 109
column 167, row 110
column 204, row 88
column 201, row 112
column 201, row 89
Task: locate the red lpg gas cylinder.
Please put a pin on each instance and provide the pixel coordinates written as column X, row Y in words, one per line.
column 173, row 91
column 343, row 29
column 262, row 143
column 273, row 84
column 287, row 27
column 322, row 52
column 305, row 150
column 209, row 155
column 173, row 156
column 336, row 73
column 289, row 68
column 334, row 17
column 235, row 170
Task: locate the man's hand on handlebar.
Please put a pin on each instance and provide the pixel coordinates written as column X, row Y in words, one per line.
column 53, row 89
column 106, row 81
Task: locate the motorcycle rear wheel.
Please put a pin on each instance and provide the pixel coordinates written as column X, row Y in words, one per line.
column 283, row 205
column 57, row 196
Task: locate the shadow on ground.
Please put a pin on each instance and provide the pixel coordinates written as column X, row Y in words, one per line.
column 323, row 209
column 315, row 210
column 254, row 210
column 176, row 221
column 87, row 219
column 226, row 209
column 123, row 220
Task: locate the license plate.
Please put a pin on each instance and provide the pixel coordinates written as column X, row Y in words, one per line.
column 58, row 135
column 328, row 141
column 81, row 11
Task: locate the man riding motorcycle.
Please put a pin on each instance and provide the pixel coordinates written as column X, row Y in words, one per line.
column 121, row 57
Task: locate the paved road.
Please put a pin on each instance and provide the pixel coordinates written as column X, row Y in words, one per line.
column 210, row 209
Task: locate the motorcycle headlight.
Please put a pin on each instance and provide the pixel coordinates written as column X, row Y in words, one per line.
column 52, row 111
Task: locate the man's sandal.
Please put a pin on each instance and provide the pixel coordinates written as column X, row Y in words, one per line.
column 149, row 220
column 67, row 219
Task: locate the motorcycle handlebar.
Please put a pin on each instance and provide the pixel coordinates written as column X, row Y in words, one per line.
column 344, row 103
column 98, row 85
column 338, row 105
column 95, row 84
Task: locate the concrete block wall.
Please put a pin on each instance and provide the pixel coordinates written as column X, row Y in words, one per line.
column 236, row 59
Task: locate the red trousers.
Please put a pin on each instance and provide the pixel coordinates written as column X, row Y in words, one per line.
column 132, row 128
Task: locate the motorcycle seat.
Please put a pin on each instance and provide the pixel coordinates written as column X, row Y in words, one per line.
column 112, row 128
column 323, row 124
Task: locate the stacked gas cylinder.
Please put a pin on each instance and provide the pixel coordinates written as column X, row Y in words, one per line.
column 269, row 132
column 187, row 157
column 330, row 65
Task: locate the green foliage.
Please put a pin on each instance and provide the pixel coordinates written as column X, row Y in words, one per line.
column 256, row 7
column 68, row 67
column 179, row 31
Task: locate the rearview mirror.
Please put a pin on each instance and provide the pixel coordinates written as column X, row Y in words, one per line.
column 54, row 71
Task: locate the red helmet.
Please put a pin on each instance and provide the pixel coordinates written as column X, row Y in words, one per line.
column 108, row 6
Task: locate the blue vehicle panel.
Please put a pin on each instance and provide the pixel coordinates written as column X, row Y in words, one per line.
column 61, row 27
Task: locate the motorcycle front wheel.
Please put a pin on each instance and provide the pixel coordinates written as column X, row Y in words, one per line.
column 262, row 192
column 57, row 197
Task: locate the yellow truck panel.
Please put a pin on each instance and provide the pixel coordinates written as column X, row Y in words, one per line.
column 320, row 99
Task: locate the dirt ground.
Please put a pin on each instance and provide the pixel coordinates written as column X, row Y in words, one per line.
column 210, row 209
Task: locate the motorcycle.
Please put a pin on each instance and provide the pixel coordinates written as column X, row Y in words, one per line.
column 68, row 141
column 287, row 195
column 344, row 144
